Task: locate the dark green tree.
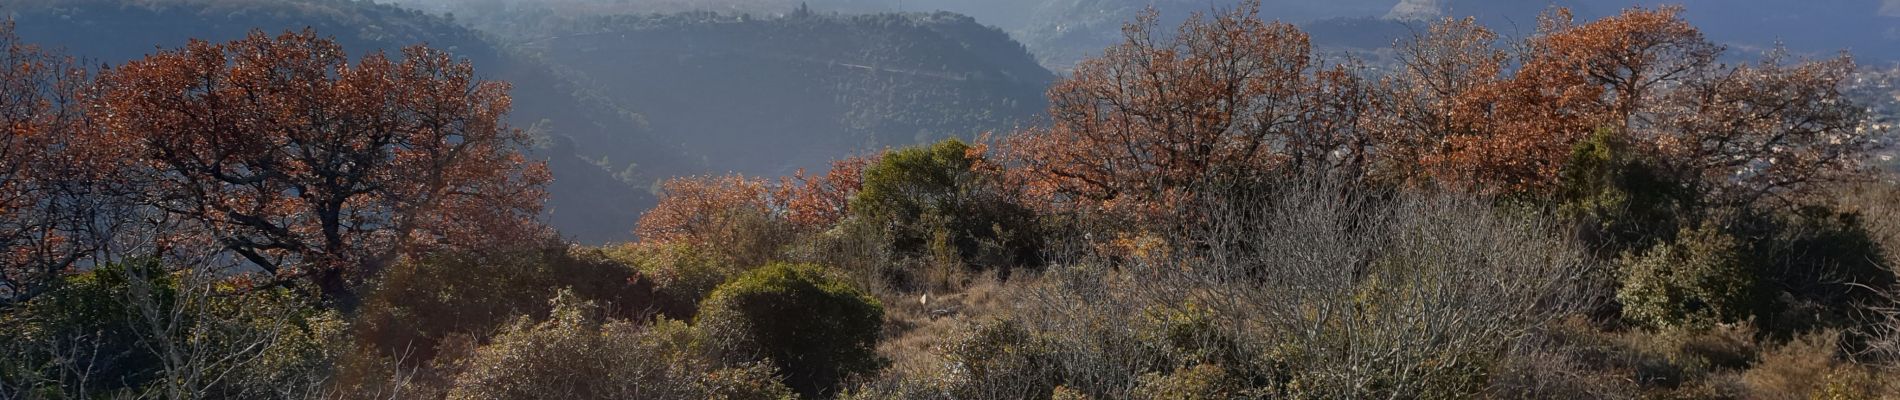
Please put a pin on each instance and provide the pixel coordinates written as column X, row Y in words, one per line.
column 936, row 195
column 1621, row 202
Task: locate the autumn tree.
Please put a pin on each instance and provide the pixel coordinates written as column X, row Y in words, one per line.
column 1765, row 133
column 702, row 210
column 308, row 166
column 1571, row 80
column 1646, row 75
column 818, row 201
column 45, row 176
column 1228, row 95
column 1419, row 103
column 746, row 220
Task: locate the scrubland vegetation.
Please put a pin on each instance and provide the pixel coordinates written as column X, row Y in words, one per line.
column 1602, row 210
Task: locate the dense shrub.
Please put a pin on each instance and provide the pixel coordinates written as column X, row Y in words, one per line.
column 1791, row 271
column 1194, row 341
column 137, row 330
column 817, row 329
column 1294, row 293
column 1621, row 201
column 682, row 274
column 863, row 252
column 1546, row 368
column 1000, row 359
column 1809, row 366
column 1820, row 267
column 88, row 314
column 1878, row 204
column 416, row 305
column 573, row 355
column 1205, row 381
column 935, row 197
column 1312, row 289
column 1578, row 360
column 1699, row 280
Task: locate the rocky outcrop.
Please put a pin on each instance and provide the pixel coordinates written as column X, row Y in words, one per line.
column 1417, row 10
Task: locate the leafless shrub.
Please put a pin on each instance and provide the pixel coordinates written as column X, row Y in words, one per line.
column 1546, row 369
column 1878, row 204
column 1336, row 291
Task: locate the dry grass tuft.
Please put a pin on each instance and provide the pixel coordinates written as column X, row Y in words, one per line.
column 914, row 329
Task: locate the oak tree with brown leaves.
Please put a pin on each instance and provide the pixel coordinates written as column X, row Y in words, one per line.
column 818, row 201
column 1229, row 95
column 44, row 216
column 1740, row 134
column 1232, row 96
column 698, row 210
column 309, row 166
column 1572, row 80
column 702, row 210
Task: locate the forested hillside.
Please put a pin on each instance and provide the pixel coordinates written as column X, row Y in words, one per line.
column 768, row 96
column 1062, row 32
column 769, row 90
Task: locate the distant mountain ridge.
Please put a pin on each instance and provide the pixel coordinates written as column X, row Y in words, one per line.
column 766, row 96
column 1061, row 32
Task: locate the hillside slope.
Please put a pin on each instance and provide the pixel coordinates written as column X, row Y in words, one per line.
column 768, row 96
column 1061, row 32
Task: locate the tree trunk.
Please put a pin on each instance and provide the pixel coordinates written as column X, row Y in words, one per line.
column 336, row 290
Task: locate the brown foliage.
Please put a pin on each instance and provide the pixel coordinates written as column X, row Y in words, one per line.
column 1423, row 100
column 1230, row 94
column 52, row 182
column 817, row 201
column 694, row 209
column 1511, row 133
column 308, row 166
column 1647, row 74
column 1233, row 97
column 1767, row 131
column 735, row 214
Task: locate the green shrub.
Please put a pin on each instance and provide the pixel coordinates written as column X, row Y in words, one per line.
column 1206, row 361
column 1002, row 360
column 114, row 330
column 1066, row 393
column 416, row 305
column 934, row 198
column 1204, row 381
column 1189, row 336
column 1623, row 203
column 573, row 355
column 817, row 329
column 683, row 274
column 87, row 314
column 1820, row 266
column 1697, row 281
